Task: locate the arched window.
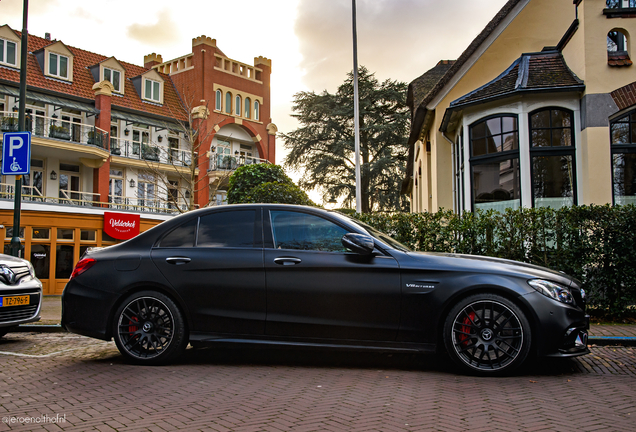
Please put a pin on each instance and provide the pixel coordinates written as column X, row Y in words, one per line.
column 248, row 107
column 494, row 162
column 219, row 97
column 228, row 103
column 616, row 41
column 552, row 155
column 237, row 106
column 623, row 141
column 257, row 110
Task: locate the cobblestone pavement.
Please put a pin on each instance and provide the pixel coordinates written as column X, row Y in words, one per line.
column 61, row 381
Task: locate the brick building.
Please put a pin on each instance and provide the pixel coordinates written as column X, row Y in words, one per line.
column 115, row 140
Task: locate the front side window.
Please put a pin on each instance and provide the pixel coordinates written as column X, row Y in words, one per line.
column 552, row 155
column 58, row 65
column 114, row 77
column 623, row 141
column 152, row 90
column 8, row 51
column 302, row 231
column 494, row 149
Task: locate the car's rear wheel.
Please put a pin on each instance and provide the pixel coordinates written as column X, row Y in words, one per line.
column 149, row 329
column 487, row 334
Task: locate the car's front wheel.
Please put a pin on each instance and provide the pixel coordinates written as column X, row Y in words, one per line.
column 149, row 329
column 487, row 334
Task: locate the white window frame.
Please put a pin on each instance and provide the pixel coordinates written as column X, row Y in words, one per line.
column 5, row 43
column 155, row 90
column 237, row 105
column 112, row 72
column 58, row 62
column 218, row 100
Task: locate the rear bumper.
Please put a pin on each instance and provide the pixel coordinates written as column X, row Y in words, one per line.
column 87, row 311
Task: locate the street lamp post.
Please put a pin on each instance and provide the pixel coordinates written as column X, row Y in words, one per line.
column 356, row 110
column 15, row 239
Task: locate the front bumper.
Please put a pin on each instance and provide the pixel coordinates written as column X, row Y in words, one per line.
column 14, row 315
column 561, row 330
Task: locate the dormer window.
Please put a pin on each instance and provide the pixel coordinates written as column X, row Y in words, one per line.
column 8, row 50
column 58, row 65
column 152, row 90
column 149, row 86
column 617, row 49
column 114, row 76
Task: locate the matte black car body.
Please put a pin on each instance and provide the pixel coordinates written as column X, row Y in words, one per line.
column 388, row 298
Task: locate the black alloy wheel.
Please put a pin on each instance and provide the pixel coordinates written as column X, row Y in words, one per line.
column 487, row 334
column 149, row 329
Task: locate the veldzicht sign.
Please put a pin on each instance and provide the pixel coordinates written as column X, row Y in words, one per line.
column 122, row 226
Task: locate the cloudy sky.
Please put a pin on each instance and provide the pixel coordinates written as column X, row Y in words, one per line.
column 308, row 41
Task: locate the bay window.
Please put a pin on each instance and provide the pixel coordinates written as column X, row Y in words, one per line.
column 623, row 142
column 494, row 147
column 552, row 158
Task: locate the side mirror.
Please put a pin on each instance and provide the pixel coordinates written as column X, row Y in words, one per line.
column 359, row 243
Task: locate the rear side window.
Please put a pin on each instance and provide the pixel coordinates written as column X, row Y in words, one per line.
column 182, row 236
column 227, row 229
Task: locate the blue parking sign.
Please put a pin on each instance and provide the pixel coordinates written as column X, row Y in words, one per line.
column 16, row 153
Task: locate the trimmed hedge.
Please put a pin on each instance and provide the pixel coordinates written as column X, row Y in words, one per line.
column 596, row 244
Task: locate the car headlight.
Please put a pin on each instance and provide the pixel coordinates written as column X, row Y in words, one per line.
column 553, row 290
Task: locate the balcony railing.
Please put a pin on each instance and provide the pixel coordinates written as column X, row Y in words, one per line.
column 230, row 163
column 89, row 199
column 151, row 205
column 52, row 127
column 145, row 151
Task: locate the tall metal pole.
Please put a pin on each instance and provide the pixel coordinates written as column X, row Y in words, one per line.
column 356, row 110
column 15, row 240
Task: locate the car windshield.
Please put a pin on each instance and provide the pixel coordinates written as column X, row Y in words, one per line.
column 376, row 234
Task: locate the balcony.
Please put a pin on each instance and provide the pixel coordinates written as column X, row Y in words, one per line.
column 150, row 152
column 144, row 205
column 220, row 162
column 53, row 127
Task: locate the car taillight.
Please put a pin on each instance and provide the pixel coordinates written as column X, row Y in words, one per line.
column 81, row 266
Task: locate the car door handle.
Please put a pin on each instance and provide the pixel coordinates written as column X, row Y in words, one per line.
column 177, row 260
column 287, row 261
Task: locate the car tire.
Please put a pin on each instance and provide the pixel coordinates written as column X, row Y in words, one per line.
column 149, row 329
column 4, row 331
column 487, row 334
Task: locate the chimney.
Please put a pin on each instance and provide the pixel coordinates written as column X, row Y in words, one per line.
column 47, row 36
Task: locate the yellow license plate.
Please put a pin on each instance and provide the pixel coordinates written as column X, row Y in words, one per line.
column 15, row 301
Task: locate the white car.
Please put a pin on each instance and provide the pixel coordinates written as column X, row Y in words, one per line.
column 20, row 293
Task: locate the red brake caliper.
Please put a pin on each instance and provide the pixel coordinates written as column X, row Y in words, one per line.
column 132, row 327
column 463, row 338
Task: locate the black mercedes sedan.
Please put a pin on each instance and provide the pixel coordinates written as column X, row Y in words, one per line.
column 292, row 275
